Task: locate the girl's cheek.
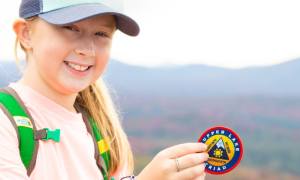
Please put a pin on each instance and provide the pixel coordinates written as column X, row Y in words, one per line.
column 102, row 60
column 103, row 42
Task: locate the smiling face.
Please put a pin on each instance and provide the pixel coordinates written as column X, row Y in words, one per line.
column 69, row 58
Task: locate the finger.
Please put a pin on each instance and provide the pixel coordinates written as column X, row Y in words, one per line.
column 192, row 173
column 183, row 149
column 191, row 160
column 202, row 177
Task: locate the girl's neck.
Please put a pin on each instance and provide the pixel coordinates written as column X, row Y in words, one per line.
column 64, row 100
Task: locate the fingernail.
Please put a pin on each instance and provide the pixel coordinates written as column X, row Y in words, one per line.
column 207, row 156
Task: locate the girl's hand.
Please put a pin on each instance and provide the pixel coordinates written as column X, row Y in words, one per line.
column 179, row 162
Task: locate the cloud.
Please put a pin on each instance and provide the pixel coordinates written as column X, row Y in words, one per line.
column 232, row 33
column 7, row 15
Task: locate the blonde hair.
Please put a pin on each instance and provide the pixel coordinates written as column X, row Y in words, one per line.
column 96, row 100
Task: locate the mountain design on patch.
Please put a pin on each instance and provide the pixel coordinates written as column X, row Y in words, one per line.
column 218, row 151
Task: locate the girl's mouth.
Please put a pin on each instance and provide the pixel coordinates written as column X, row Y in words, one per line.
column 77, row 67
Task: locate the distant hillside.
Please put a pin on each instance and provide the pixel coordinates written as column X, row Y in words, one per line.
column 194, row 80
column 201, row 80
column 8, row 72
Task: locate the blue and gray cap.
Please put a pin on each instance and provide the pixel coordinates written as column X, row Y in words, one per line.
column 62, row 12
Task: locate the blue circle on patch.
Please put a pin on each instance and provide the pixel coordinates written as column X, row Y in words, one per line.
column 224, row 147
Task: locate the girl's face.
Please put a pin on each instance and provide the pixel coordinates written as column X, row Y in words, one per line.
column 69, row 58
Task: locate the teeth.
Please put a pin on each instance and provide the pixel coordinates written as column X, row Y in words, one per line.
column 77, row 67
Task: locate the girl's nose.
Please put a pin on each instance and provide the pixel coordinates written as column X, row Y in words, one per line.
column 86, row 48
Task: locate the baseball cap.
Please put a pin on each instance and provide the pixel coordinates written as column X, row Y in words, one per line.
column 63, row 12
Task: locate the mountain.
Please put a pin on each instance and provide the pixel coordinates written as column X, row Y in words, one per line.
column 8, row 72
column 193, row 80
column 203, row 81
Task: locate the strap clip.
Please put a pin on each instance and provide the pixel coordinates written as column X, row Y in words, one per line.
column 46, row 134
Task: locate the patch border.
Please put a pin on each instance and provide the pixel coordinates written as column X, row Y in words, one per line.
column 240, row 144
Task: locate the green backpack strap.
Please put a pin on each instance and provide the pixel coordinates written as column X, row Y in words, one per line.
column 14, row 108
column 102, row 153
column 28, row 136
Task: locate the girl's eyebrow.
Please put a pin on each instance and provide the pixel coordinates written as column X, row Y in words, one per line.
column 110, row 25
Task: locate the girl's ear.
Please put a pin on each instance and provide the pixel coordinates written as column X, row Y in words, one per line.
column 22, row 30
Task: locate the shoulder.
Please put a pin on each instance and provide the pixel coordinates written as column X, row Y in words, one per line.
column 11, row 166
column 7, row 129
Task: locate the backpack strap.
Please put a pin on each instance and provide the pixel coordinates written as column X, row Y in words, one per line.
column 102, row 153
column 21, row 119
column 28, row 135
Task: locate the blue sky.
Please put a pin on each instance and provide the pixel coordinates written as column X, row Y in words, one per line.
column 230, row 33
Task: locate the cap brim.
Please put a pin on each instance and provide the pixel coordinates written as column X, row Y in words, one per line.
column 80, row 12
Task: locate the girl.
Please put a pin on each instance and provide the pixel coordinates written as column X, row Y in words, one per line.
column 67, row 46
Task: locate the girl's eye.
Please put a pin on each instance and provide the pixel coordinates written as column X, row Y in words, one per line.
column 71, row 28
column 101, row 34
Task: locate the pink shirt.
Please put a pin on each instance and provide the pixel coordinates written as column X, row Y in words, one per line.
column 71, row 158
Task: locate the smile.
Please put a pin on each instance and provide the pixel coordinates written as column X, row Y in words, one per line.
column 77, row 67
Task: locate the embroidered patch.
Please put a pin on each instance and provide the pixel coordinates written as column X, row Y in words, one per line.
column 225, row 149
column 23, row 121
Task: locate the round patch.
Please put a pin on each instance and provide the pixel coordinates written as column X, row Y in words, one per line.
column 224, row 148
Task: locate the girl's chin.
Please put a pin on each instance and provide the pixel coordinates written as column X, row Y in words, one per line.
column 71, row 88
column 71, row 84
